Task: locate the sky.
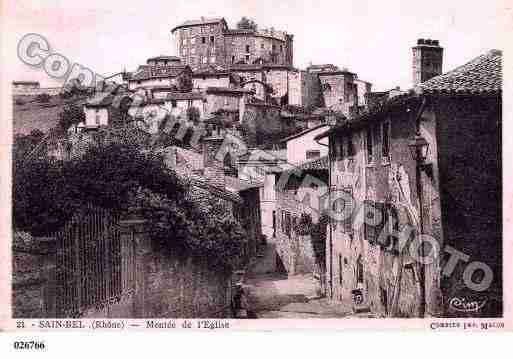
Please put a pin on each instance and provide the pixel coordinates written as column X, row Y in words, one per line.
column 370, row 38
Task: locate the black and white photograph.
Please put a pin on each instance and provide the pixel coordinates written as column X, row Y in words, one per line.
column 254, row 165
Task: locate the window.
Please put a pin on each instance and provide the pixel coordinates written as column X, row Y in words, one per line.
column 173, row 103
column 193, row 41
column 288, row 224
column 374, row 221
column 385, row 141
column 233, row 59
column 311, row 154
column 212, row 59
column 203, row 39
column 281, row 48
column 211, row 39
column 247, row 58
column 359, row 270
column 350, row 146
column 341, row 152
column 369, row 144
column 274, row 223
column 204, row 59
column 193, row 51
column 273, row 47
column 247, row 48
column 262, row 46
column 340, row 269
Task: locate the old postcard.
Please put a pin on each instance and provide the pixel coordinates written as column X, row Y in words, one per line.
column 224, row 165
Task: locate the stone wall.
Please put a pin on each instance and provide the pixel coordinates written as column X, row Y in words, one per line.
column 349, row 250
column 471, row 196
column 166, row 285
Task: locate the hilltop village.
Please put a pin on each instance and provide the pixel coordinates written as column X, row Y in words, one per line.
column 301, row 158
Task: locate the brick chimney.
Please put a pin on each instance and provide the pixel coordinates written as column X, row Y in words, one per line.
column 427, row 60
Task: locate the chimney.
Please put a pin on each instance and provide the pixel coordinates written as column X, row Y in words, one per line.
column 427, row 60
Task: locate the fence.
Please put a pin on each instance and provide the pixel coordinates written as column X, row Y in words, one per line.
column 95, row 264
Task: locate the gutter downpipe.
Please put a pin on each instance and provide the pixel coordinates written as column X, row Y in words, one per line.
column 329, row 217
column 420, row 195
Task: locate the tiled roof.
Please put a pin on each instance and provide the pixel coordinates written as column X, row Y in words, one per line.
column 238, row 185
column 202, row 21
column 304, row 132
column 482, row 75
column 184, row 96
column 213, row 89
column 164, row 57
column 101, row 99
column 145, row 72
column 210, row 70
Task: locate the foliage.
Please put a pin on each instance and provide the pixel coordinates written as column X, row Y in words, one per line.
column 47, row 193
column 246, row 23
column 43, row 98
column 72, row 114
column 117, row 175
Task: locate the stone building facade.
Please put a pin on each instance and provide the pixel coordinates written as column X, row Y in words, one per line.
column 210, row 41
column 387, row 193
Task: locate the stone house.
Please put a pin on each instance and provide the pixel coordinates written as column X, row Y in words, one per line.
column 299, row 191
column 174, row 75
column 302, row 147
column 210, row 41
column 452, row 198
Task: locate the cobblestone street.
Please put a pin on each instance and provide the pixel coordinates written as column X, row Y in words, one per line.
column 276, row 295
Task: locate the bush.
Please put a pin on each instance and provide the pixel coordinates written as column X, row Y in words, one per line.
column 43, row 98
column 120, row 177
column 19, row 102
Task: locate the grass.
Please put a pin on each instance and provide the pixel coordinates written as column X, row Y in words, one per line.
column 33, row 115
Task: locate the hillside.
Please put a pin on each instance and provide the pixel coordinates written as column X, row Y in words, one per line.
column 28, row 114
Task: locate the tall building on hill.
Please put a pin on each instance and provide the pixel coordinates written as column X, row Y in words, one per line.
column 211, row 41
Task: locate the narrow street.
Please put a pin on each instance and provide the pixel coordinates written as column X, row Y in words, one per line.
column 278, row 295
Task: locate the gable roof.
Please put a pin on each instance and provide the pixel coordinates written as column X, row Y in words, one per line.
column 482, row 75
column 146, row 72
column 164, row 57
column 299, row 134
column 202, row 21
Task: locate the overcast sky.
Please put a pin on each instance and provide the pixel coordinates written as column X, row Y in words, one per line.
column 371, row 38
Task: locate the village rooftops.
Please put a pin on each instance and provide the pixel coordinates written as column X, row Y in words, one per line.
column 210, row 70
column 228, row 90
column 184, row 96
column 164, row 58
column 302, row 133
column 481, row 76
column 146, row 72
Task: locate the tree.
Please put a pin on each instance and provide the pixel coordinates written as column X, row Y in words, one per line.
column 72, row 114
column 246, row 23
